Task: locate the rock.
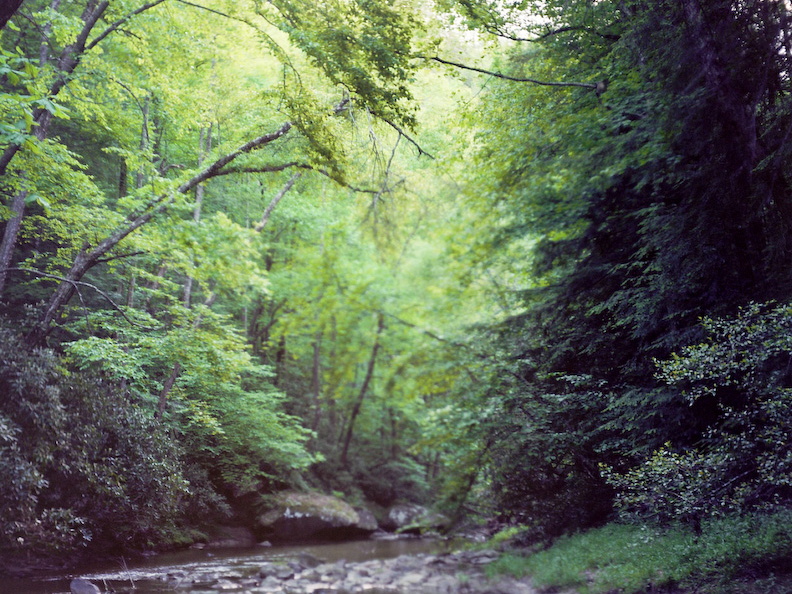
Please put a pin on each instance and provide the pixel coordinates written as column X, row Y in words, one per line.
column 305, row 561
column 81, row 586
column 366, row 520
column 414, row 519
column 269, row 569
column 301, row 516
column 226, row 585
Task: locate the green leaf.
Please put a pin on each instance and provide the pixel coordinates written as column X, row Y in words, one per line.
column 37, row 199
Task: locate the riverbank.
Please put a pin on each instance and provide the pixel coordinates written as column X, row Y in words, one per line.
column 449, row 573
column 749, row 554
column 398, row 566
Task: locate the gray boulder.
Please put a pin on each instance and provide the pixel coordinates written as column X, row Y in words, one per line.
column 312, row 516
column 81, row 586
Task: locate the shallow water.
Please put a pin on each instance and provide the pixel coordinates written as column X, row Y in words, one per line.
column 146, row 576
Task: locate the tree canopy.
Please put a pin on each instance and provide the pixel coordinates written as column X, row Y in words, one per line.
column 523, row 260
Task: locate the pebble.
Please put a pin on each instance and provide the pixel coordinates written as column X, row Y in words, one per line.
column 460, row 572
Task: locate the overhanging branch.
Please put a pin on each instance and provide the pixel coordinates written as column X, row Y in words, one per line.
column 544, row 83
column 120, row 22
column 401, row 132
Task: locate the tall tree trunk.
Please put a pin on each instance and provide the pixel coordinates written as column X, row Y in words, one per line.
column 11, row 231
column 316, row 381
column 7, row 10
column 145, row 140
column 280, row 357
column 363, row 390
column 123, row 182
column 204, row 146
column 166, row 388
column 10, row 234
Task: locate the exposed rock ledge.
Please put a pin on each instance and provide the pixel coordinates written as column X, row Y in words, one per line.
column 303, row 516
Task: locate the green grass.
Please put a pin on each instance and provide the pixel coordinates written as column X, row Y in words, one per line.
column 751, row 553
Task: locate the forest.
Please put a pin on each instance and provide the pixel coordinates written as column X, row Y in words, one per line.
column 524, row 262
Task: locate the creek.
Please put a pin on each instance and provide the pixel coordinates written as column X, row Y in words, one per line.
column 169, row 572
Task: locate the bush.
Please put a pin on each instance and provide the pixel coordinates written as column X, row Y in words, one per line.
column 741, row 382
column 79, row 464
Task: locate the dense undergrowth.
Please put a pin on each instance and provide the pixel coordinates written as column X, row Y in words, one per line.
column 747, row 554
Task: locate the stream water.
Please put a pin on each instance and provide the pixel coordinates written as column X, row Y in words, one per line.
column 148, row 575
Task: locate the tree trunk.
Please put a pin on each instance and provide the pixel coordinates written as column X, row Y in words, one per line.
column 316, row 384
column 145, row 140
column 11, row 232
column 166, row 388
column 363, row 389
column 274, row 202
column 177, row 367
column 10, row 235
column 7, row 10
column 204, row 146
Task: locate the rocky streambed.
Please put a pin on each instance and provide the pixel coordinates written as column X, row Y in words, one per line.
column 445, row 573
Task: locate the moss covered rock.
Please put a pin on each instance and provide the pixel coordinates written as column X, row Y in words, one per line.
column 297, row 516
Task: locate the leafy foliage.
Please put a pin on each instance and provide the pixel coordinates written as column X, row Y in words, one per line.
column 80, row 463
column 639, row 209
column 738, row 381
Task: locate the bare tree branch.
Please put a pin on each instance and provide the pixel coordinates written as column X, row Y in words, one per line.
column 76, row 284
column 206, row 8
column 544, row 83
column 274, row 202
column 401, row 132
column 498, row 32
column 262, row 168
column 119, row 257
column 120, row 22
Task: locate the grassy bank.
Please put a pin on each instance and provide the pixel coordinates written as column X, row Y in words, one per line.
column 750, row 554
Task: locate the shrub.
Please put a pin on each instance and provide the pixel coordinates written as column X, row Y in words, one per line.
column 78, row 462
column 740, row 381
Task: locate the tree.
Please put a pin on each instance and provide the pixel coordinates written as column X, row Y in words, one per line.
column 642, row 208
column 8, row 10
column 109, row 217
